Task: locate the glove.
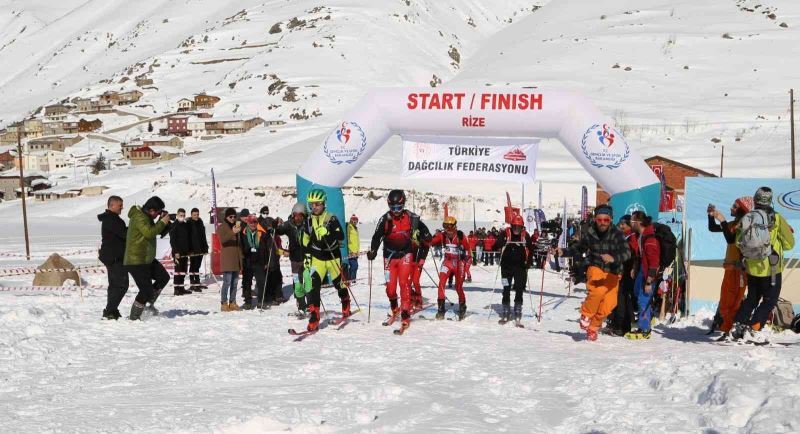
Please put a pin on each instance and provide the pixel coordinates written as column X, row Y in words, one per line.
column 371, row 255
column 320, row 232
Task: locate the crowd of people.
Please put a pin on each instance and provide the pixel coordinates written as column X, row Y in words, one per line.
column 625, row 265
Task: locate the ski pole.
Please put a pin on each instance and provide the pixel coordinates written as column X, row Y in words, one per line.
column 494, row 289
column 530, row 292
column 266, row 279
column 342, row 277
column 369, row 308
column 541, row 291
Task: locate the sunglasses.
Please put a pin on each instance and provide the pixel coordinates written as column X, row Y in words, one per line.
column 448, row 226
column 602, row 220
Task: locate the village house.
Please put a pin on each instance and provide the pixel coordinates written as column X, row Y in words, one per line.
column 219, row 126
column 674, row 174
column 146, row 154
column 44, row 161
column 177, row 125
column 56, row 112
column 108, row 100
column 8, row 160
column 53, row 128
column 52, row 143
column 129, row 97
column 33, row 128
column 203, row 101
column 9, row 184
column 185, row 105
column 171, row 141
column 85, row 126
column 84, row 104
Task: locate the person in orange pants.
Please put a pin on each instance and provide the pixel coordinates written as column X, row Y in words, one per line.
column 734, row 281
column 606, row 252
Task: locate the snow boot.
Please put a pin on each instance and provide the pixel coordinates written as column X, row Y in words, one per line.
column 195, row 288
column 151, row 309
column 111, row 315
column 591, row 334
column 584, row 322
column 313, row 318
column 462, row 310
column 136, row 311
column 737, row 331
column 517, row 312
column 179, row 290
column 505, row 314
column 224, row 307
column 440, row 312
column 233, row 307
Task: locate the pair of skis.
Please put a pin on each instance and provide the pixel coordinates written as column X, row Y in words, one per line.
column 392, row 318
column 339, row 323
column 517, row 323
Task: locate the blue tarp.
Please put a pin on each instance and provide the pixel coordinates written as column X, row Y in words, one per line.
column 722, row 192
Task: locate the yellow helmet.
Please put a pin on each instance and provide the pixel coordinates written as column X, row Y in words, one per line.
column 449, row 220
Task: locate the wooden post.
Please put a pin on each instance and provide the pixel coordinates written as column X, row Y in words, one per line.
column 22, row 187
column 791, row 120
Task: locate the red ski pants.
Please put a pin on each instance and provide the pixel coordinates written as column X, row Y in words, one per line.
column 731, row 294
column 399, row 270
column 467, row 264
column 449, row 267
column 416, row 288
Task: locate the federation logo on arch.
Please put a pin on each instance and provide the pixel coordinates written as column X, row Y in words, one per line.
column 790, row 200
column 636, row 206
column 604, row 146
column 346, row 144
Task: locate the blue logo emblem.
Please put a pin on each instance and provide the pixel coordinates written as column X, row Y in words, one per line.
column 604, row 146
column 636, row 206
column 346, row 144
column 790, row 200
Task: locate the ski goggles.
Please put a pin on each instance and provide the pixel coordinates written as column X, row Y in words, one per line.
column 396, row 208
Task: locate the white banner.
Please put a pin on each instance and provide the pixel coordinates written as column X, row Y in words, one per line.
column 530, row 219
column 468, row 158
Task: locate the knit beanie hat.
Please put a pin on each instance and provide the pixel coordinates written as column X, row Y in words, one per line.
column 229, row 212
column 745, row 203
column 763, row 196
column 625, row 219
column 154, row 202
column 604, row 209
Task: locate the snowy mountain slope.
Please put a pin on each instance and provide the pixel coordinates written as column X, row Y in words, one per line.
column 698, row 71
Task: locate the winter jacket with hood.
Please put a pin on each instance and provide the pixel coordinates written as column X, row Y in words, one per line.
column 113, row 232
column 140, row 245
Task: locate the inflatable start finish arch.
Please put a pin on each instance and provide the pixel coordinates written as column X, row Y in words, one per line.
column 493, row 114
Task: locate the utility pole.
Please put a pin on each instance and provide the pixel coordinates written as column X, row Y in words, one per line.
column 22, row 187
column 721, row 160
column 791, row 119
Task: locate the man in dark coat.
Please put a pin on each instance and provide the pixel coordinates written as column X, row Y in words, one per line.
column 199, row 247
column 180, row 241
column 112, row 251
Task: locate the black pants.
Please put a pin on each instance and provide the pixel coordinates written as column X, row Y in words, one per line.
column 622, row 316
column 247, row 281
column 270, row 287
column 194, row 269
column 513, row 276
column 181, row 266
column 117, row 285
column 315, row 297
column 762, row 297
column 150, row 279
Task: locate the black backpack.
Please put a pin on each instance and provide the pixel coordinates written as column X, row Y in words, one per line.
column 667, row 243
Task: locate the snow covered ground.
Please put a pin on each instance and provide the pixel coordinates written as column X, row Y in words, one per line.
column 194, row 369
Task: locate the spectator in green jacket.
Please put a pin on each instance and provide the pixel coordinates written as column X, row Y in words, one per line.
column 763, row 275
column 140, row 253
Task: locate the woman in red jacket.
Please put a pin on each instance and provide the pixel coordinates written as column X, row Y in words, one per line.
column 456, row 254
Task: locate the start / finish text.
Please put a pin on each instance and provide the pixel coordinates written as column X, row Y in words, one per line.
column 482, row 101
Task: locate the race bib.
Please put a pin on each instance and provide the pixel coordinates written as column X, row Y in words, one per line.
column 443, row 269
